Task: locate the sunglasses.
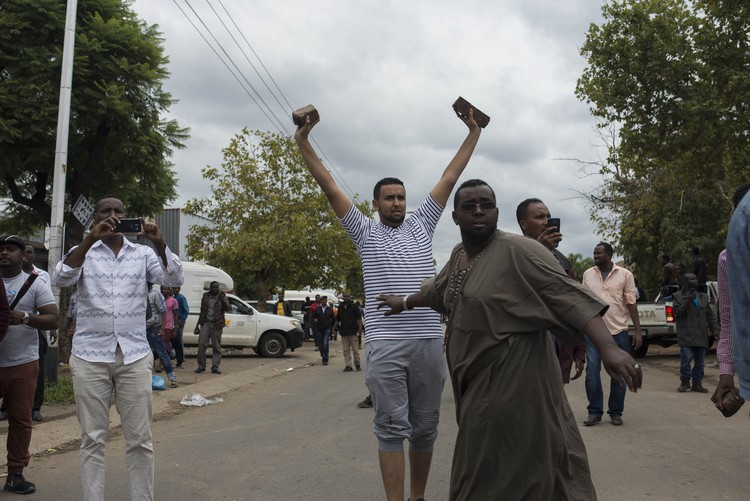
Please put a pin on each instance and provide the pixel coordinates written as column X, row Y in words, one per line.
column 470, row 206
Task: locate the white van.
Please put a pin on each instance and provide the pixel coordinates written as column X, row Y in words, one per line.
column 246, row 327
column 297, row 299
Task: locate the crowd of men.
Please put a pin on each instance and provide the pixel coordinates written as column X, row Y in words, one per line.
column 518, row 322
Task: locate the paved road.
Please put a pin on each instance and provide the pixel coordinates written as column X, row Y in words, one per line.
column 301, row 436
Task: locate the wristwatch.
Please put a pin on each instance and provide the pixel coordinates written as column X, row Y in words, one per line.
column 26, row 318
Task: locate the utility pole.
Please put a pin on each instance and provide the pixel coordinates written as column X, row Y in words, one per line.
column 61, row 145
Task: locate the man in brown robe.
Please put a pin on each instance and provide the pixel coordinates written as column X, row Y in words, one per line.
column 517, row 437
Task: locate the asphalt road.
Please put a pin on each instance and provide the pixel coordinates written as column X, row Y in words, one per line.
column 301, row 436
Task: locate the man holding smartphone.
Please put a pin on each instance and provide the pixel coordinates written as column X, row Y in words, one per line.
column 694, row 319
column 110, row 347
column 535, row 222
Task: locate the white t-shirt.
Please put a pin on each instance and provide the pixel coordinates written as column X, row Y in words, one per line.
column 21, row 344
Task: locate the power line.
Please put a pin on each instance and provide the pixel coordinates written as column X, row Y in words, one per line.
column 278, row 124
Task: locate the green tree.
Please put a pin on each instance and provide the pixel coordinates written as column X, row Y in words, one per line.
column 580, row 264
column 668, row 82
column 273, row 225
column 118, row 140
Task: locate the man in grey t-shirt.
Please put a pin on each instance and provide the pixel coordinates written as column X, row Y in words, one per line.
column 34, row 309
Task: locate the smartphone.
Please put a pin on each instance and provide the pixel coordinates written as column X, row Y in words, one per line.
column 462, row 107
column 553, row 222
column 299, row 116
column 128, row 226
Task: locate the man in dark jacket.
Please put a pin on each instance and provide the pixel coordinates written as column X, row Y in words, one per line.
column 324, row 321
column 349, row 324
column 694, row 319
column 210, row 326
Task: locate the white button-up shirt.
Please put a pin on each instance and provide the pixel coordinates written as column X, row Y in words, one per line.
column 112, row 294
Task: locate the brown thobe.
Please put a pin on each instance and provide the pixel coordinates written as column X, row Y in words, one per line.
column 517, row 437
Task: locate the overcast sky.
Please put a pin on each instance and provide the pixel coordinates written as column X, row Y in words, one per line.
column 383, row 75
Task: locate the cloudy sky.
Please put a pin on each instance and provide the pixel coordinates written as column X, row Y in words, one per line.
column 383, row 75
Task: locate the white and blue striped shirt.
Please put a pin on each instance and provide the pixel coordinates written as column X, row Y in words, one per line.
column 395, row 261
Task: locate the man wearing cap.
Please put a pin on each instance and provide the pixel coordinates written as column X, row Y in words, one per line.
column 32, row 307
column 110, row 347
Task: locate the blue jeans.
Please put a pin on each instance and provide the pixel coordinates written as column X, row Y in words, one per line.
column 594, row 390
column 157, row 346
column 738, row 273
column 323, row 336
column 697, row 355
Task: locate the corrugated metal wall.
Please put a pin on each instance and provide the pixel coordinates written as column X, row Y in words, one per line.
column 169, row 224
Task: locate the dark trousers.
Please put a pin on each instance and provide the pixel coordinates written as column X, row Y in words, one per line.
column 39, row 394
column 179, row 348
column 39, row 391
column 17, row 386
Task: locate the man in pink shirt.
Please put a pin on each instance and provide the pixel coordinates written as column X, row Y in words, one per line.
column 615, row 286
column 172, row 306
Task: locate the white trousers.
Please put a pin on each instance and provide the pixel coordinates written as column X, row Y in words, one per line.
column 94, row 383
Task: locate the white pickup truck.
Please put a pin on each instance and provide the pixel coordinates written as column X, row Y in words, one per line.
column 658, row 321
column 268, row 335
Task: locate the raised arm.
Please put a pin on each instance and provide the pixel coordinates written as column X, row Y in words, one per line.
column 444, row 186
column 340, row 202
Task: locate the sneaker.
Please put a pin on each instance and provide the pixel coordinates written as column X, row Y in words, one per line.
column 173, row 383
column 592, row 420
column 37, row 416
column 367, row 402
column 358, row 367
column 348, row 369
column 3, row 416
column 199, row 370
column 684, row 386
column 699, row 388
column 215, row 370
column 616, row 419
column 16, row 483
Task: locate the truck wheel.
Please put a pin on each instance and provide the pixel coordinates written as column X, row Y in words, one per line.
column 640, row 352
column 273, row 345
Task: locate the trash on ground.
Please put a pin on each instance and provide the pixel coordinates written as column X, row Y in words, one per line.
column 290, row 369
column 198, row 400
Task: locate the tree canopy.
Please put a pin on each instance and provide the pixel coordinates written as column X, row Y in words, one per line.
column 118, row 140
column 273, row 224
column 669, row 82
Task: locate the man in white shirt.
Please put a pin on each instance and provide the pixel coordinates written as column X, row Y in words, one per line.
column 32, row 307
column 110, row 348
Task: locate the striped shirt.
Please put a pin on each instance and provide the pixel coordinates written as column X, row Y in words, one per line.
column 112, row 298
column 395, row 261
column 724, row 351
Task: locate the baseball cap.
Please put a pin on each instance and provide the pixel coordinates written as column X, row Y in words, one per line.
column 13, row 239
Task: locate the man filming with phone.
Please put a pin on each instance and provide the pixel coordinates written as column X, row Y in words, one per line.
column 535, row 222
column 110, row 347
column 694, row 320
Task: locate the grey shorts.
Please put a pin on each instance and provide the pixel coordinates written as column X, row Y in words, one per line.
column 405, row 379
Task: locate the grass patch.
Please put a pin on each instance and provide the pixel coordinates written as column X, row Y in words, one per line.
column 60, row 393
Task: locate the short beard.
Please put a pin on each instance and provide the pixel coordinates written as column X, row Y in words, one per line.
column 477, row 237
column 396, row 221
